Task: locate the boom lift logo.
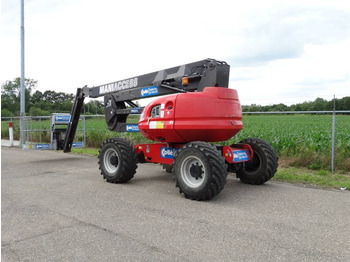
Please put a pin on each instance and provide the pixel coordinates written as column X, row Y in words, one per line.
column 149, row 91
column 168, row 152
column 120, row 85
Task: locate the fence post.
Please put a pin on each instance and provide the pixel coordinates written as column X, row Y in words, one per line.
column 333, row 136
column 84, row 127
column 11, row 133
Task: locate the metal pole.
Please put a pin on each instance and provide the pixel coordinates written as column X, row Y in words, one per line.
column 22, row 97
column 333, row 135
column 11, row 133
column 84, row 127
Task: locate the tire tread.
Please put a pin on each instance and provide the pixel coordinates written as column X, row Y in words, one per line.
column 218, row 173
column 271, row 163
column 128, row 157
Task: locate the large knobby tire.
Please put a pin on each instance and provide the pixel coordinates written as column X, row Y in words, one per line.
column 117, row 160
column 200, row 171
column 263, row 166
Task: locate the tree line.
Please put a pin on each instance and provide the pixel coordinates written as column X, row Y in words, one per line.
column 319, row 104
column 44, row 103
column 40, row 103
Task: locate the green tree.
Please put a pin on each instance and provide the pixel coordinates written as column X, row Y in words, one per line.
column 5, row 113
column 93, row 107
column 11, row 93
column 56, row 102
column 35, row 111
column 318, row 105
column 36, row 97
column 343, row 104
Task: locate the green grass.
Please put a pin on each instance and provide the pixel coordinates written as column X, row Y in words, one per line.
column 319, row 178
column 85, row 151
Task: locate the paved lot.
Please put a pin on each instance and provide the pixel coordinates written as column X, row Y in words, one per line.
column 57, row 207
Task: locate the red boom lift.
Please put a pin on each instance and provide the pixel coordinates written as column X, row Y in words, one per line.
column 199, row 109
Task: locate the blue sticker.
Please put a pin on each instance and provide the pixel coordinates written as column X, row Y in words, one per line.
column 240, row 155
column 167, row 152
column 65, row 118
column 135, row 110
column 42, row 146
column 78, row 144
column 132, row 128
column 149, row 91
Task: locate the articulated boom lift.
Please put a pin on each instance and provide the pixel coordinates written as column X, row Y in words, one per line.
column 199, row 108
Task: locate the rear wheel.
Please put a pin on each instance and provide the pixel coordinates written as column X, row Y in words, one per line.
column 262, row 167
column 200, row 171
column 117, row 160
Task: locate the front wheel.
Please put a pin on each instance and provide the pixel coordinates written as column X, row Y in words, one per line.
column 200, row 171
column 262, row 167
column 117, row 160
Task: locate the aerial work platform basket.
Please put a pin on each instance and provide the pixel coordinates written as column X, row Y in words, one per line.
column 48, row 132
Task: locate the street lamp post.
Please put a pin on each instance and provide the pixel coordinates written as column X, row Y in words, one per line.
column 22, row 95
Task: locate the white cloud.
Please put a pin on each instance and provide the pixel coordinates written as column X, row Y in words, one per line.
column 274, row 49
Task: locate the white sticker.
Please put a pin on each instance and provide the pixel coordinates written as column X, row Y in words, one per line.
column 162, row 106
column 161, row 113
column 152, row 125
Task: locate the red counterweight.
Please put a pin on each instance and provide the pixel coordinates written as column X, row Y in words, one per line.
column 212, row 115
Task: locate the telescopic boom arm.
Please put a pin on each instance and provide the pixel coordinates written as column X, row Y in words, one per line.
column 118, row 96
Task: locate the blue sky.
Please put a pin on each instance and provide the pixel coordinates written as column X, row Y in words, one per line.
column 279, row 51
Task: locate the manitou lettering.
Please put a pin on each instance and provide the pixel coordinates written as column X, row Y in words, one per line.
column 120, row 85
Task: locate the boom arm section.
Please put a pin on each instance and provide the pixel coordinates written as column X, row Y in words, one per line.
column 200, row 74
column 73, row 123
column 118, row 96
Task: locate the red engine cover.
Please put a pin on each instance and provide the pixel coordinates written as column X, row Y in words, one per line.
column 212, row 115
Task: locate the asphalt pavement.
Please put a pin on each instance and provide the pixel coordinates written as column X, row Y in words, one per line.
column 57, row 207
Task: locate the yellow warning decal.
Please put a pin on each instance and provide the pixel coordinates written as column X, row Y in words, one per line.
column 156, row 125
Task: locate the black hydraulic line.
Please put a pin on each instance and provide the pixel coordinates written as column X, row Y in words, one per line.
column 132, row 104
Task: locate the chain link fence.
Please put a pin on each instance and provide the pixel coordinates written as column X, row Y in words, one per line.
column 315, row 139
column 37, row 129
